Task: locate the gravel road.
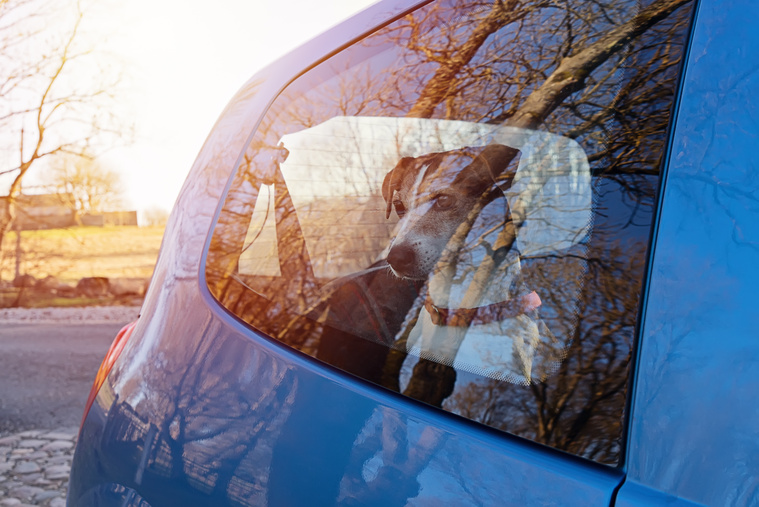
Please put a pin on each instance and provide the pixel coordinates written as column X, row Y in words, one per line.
column 48, row 359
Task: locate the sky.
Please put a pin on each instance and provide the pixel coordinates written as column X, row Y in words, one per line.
column 183, row 60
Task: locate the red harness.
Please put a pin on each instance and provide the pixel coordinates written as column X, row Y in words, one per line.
column 465, row 317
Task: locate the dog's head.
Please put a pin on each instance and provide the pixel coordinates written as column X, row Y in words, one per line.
column 432, row 195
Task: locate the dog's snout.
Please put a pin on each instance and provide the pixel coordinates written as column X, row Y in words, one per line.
column 401, row 258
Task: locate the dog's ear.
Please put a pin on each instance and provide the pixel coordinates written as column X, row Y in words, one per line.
column 502, row 162
column 387, row 192
column 392, row 182
column 495, row 163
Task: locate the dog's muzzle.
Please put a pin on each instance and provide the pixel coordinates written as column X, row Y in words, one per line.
column 403, row 260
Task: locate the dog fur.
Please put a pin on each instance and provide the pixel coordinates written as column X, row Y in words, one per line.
column 432, row 195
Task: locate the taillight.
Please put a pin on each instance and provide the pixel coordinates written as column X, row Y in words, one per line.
column 105, row 367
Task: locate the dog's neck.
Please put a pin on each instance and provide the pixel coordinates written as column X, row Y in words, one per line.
column 454, row 299
column 496, row 312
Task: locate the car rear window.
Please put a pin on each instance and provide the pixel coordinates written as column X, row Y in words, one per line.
column 457, row 208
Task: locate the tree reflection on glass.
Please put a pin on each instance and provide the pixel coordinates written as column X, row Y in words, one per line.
column 299, row 251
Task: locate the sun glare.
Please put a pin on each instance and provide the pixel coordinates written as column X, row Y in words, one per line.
column 179, row 62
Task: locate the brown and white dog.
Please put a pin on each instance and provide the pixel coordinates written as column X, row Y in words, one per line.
column 499, row 334
column 433, row 194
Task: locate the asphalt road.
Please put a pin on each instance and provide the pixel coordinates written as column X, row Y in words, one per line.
column 46, row 371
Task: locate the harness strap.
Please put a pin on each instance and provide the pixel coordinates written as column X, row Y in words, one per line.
column 496, row 312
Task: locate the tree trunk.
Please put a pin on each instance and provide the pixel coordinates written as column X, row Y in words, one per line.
column 17, row 271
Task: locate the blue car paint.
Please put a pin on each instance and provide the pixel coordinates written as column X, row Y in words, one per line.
column 695, row 425
column 303, row 427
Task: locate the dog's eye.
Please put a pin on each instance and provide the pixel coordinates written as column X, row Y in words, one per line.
column 399, row 208
column 445, row 201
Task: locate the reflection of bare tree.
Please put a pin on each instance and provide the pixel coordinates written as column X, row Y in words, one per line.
column 453, row 53
column 205, row 437
column 579, row 407
column 599, row 72
column 571, row 75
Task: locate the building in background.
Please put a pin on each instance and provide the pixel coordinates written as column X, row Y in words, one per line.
column 50, row 211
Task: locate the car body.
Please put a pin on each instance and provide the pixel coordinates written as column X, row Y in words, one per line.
column 215, row 398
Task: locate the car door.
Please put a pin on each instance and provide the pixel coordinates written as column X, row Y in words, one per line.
column 693, row 437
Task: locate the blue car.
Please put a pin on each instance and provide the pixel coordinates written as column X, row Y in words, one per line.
column 458, row 253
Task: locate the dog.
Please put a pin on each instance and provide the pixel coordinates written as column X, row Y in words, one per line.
column 498, row 332
column 433, row 194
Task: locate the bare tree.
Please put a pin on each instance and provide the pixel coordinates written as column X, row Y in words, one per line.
column 54, row 98
column 83, row 184
column 155, row 215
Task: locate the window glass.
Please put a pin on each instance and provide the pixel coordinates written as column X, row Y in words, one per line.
column 457, row 208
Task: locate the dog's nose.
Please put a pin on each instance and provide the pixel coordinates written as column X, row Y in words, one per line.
column 401, row 258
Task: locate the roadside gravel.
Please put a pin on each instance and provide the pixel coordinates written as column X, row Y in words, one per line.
column 34, row 467
column 83, row 315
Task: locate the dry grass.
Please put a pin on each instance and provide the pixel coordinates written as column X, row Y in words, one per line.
column 77, row 252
